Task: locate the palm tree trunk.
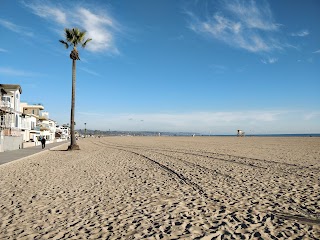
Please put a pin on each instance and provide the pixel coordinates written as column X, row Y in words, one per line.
column 73, row 144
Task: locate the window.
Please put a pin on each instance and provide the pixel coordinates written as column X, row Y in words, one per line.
column 2, row 120
column 6, row 99
column 17, row 120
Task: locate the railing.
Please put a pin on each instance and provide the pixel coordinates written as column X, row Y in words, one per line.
column 5, row 104
column 36, row 128
column 43, row 125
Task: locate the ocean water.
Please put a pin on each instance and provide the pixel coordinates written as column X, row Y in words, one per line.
column 275, row 135
column 288, row 135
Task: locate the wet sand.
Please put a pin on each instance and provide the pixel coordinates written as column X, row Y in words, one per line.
column 165, row 188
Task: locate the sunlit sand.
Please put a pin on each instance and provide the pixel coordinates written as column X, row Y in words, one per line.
column 165, row 188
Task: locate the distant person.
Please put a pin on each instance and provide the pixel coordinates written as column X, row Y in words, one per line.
column 43, row 142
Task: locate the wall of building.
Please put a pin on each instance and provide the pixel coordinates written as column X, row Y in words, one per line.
column 34, row 111
column 9, row 143
column 30, row 144
column 1, row 140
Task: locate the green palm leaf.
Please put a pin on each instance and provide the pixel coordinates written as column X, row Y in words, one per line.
column 65, row 43
column 85, row 43
column 74, row 37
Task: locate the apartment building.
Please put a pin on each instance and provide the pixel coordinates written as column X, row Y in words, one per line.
column 22, row 124
column 10, row 117
column 29, row 123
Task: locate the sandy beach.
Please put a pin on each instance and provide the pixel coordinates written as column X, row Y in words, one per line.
column 165, row 188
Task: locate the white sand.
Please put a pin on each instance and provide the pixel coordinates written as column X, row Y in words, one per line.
column 165, row 188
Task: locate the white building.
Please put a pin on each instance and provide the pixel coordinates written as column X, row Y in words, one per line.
column 47, row 127
column 22, row 124
column 63, row 131
column 29, row 128
column 43, row 127
column 10, row 117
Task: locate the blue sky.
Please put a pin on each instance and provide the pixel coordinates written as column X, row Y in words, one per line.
column 195, row 66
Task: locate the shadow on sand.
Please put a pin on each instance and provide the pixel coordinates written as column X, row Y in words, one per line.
column 299, row 218
column 63, row 150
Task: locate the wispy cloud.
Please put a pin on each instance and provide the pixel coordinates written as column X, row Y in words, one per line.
column 218, row 68
column 7, row 71
column 241, row 24
column 177, row 38
column 272, row 121
column 49, row 12
column 99, row 25
column 312, row 115
column 187, row 121
column 91, row 114
column 301, row 33
column 3, row 50
column 318, row 51
column 16, row 28
column 269, row 60
column 309, row 116
column 89, row 71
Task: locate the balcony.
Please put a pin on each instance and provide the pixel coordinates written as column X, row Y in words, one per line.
column 25, row 124
column 6, row 105
column 36, row 128
column 44, row 127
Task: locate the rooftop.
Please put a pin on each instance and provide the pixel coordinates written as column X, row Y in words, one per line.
column 11, row 87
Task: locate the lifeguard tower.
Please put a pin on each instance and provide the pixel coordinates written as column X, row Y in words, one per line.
column 240, row 133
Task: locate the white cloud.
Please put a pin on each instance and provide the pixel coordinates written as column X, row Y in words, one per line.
column 98, row 24
column 3, row 50
column 318, row 51
column 218, row 68
column 312, row 115
column 203, row 121
column 301, row 33
column 91, row 114
column 252, row 16
column 269, row 60
column 89, row 71
column 7, row 71
column 177, row 38
column 277, row 121
column 240, row 24
column 16, row 28
column 49, row 12
column 100, row 28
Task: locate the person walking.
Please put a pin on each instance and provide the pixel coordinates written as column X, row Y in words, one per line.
column 43, row 142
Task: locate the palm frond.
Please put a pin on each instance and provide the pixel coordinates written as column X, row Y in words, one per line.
column 85, row 43
column 74, row 37
column 65, row 43
column 82, row 35
column 69, row 35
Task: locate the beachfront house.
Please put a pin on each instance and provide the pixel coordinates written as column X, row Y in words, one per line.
column 63, row 132
column 30, row 130
column 22, row 124
column 43, row 127
column 47, row 127
column 10, row 117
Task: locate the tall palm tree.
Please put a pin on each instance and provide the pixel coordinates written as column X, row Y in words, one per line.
column 74, row 37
